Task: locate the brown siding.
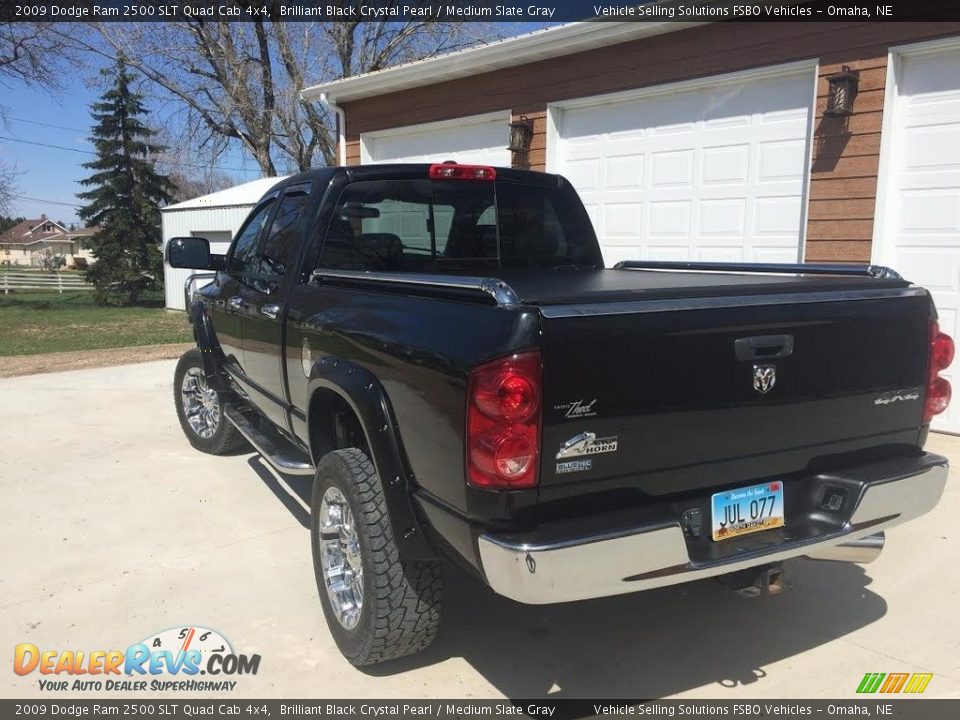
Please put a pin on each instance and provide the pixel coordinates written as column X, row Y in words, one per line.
column 846, row 160
column 353, row 152
column 846, row 151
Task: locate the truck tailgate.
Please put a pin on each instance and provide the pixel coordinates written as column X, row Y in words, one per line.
column 669, row 396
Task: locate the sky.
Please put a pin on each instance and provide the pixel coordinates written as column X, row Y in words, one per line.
column 49, row 177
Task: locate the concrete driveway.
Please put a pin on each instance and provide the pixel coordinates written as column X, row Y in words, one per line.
column 115, row 529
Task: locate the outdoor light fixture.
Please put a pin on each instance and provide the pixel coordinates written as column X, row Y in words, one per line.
column 521, row 133
column 843, row 89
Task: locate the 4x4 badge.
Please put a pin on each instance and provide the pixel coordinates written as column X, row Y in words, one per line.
column 764, row 378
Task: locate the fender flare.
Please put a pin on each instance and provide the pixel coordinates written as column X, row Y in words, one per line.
column 210, row 352
column 364, row 394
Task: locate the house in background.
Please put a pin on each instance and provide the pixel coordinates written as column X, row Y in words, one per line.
column 25, row 243
column 729, row 142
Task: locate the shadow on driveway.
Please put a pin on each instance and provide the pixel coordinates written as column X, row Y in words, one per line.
column 643, row 645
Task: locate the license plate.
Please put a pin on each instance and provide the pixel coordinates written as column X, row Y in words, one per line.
column 747, row 510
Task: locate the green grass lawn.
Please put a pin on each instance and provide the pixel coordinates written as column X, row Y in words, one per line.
column 42, row 322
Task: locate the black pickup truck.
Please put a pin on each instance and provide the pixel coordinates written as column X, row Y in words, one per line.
column 441, row 349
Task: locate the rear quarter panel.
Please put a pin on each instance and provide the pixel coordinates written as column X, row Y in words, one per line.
column 421, row 350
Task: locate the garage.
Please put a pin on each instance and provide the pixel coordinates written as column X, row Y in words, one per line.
column 712, row 171
column 216, row 217
column 918, row 211
column 478, row 139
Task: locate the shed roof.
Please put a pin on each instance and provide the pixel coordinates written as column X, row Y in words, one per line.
column 238, row 195
column 530, row 47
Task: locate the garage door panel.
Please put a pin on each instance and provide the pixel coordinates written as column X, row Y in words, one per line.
column 930, row 211
column 729, row 253
column 725, row 164
column 669, row 219
column 781, row 161
column 584, row 174
column 772, row 254
column 482, row 141
column 672, row 169
column 934, row 148
column 920, row 235
column 656, row 251
column 624, row 172
column 725, row 218
column 698, row 166
column 922, row 77
column 622, row 220
column 937, row 269
column 777, row 215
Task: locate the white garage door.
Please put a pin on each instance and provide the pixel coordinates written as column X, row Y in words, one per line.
column 715, row 172
column 919, row 215
column 481, row 140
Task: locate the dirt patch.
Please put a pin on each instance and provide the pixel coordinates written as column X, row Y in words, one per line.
column 13, row 365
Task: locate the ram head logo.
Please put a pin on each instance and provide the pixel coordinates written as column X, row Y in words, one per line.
column 764, row 378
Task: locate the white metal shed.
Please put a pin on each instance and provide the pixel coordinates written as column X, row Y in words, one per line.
column 217, row 217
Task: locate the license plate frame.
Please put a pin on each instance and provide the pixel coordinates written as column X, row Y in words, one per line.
column 743, row 511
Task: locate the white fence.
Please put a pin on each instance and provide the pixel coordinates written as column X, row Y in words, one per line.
column 42, row 281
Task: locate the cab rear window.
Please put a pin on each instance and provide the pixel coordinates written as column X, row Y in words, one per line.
column 426, row 225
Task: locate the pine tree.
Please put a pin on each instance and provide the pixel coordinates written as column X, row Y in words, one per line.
column 125, row 196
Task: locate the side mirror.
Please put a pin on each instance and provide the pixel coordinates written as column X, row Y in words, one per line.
column 192, row 253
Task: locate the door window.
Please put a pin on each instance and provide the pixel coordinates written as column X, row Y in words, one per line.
column 242, row 254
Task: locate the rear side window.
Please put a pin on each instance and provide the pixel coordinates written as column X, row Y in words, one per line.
column 280, row 248
column 425, row 225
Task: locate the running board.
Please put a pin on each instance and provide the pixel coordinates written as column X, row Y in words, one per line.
column 275, row 449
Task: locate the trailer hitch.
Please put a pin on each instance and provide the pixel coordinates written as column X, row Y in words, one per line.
column 756, row 581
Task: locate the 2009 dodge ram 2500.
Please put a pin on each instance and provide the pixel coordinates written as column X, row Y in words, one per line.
column 442, row 350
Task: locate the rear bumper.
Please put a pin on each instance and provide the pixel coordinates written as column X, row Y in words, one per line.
column 532, row 570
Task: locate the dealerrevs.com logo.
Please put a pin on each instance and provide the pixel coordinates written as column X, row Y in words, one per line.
column 178, row 659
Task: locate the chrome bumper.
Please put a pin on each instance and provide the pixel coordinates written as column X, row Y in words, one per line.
column 598, row 566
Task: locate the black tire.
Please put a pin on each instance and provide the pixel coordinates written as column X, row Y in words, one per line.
column 227, row 439
column 402, row 600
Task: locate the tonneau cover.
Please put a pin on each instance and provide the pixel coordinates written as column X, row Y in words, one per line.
column 561, row 287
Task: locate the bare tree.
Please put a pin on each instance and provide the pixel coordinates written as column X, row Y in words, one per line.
column 241, row 82
column 31, row 52
column 50, row 261
column 191, row 185
column 192, row 171
column 8, row 186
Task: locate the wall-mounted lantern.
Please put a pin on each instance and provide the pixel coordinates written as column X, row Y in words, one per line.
column 521, row 134
column 843, row 89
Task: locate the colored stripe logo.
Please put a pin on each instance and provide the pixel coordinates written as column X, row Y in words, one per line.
column 914, row 683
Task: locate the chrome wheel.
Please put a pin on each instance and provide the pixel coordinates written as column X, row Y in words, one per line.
column 201, row 405
column 340, row 558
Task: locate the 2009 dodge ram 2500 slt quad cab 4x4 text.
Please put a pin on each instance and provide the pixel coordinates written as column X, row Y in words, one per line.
column 442, row 350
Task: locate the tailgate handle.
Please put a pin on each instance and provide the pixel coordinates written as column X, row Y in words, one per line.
column 763, row 347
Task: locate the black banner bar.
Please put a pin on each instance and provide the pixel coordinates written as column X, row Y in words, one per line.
column 475, row 10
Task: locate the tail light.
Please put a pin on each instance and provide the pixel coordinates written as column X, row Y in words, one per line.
column 503, row 423
column 453, row 171
column 938, row 388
